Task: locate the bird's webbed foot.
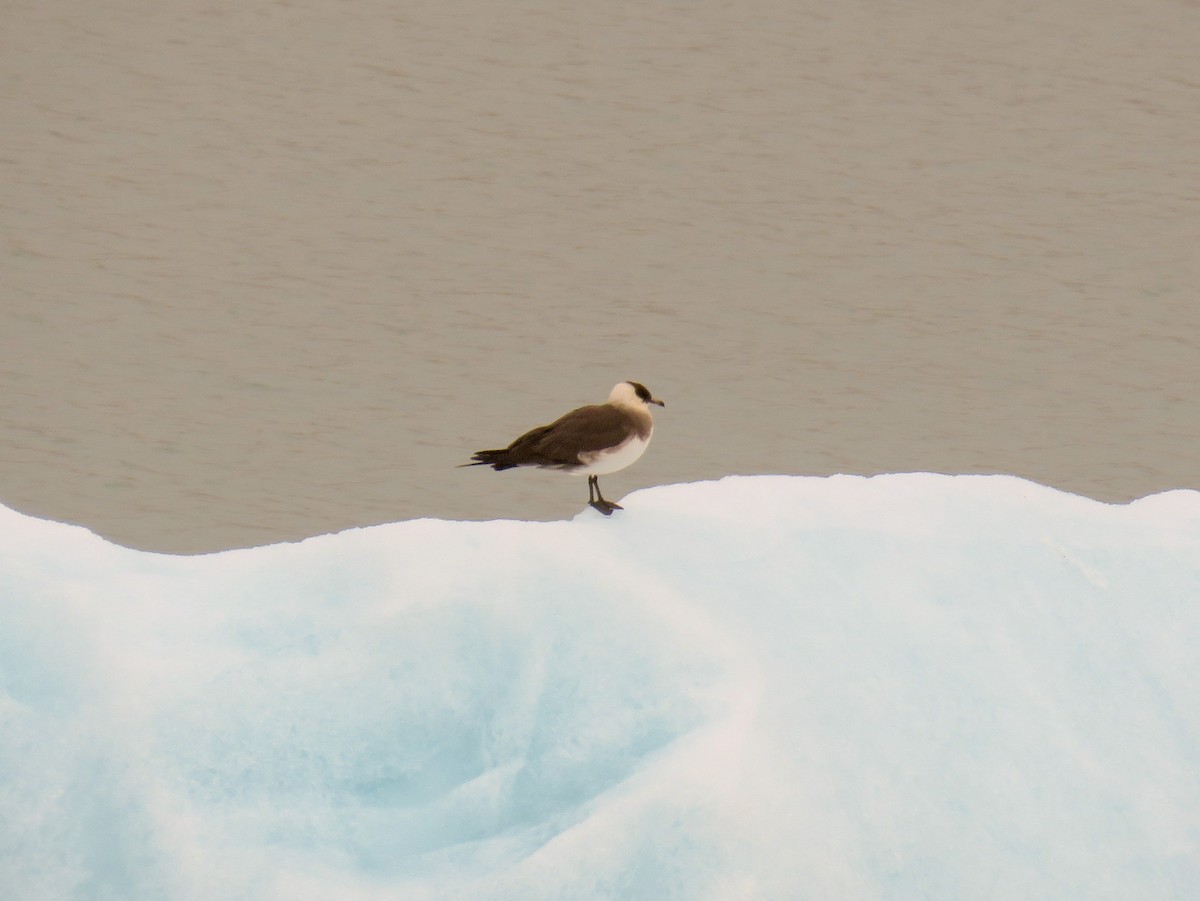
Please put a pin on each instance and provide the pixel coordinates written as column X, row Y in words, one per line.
column 596, row 499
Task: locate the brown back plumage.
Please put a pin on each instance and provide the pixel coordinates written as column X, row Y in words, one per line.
column 559, row 444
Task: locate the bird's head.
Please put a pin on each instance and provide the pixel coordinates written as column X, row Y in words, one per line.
column 633, row 394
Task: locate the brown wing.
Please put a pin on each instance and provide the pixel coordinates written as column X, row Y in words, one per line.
column 560, row 443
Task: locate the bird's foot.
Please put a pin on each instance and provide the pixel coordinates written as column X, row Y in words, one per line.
column 605, row 507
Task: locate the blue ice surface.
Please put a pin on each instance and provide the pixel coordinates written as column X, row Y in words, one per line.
column 901, row 687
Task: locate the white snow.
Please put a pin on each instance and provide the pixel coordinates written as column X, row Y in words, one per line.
column 909, row 686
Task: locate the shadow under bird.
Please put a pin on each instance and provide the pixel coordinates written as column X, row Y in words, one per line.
column 592, row 441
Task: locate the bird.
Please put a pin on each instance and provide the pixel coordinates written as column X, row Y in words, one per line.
column 593, row 441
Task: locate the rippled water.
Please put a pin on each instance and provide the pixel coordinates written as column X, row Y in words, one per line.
column 273, row 269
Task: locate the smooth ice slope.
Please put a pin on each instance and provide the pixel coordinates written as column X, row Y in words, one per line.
column 761, row 688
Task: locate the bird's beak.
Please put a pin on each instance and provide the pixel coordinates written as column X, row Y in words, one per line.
column 655, row 400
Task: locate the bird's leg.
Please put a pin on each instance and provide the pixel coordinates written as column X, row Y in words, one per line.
column 600, row 497
column 598, row 502
column 594, row 499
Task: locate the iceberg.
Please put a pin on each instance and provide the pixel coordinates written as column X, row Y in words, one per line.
column 769, row 687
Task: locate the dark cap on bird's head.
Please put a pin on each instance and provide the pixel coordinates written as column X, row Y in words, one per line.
column 644, row 394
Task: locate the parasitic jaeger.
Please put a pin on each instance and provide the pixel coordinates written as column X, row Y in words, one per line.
column 592, row 441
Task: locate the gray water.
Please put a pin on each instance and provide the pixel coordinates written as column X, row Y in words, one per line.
column 273, row 269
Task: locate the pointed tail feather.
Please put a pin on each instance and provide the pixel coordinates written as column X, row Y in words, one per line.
column 497, row 459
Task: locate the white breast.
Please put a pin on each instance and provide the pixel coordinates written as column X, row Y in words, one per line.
column 598, row 463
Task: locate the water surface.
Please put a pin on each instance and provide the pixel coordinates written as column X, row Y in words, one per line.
column 272, row 270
